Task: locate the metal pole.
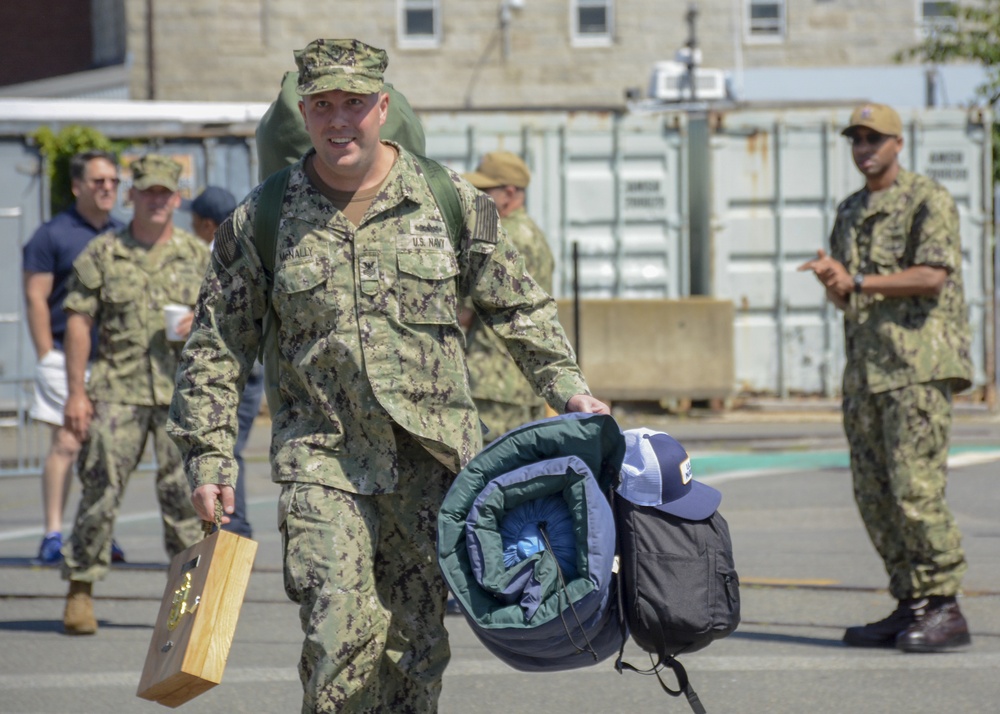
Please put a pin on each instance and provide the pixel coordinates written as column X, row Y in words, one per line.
column 829, row 312
column 576, row 302
column 692, row 44
column 618, row 227
column 779, row 262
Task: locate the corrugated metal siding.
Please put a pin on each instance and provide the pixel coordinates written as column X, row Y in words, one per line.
column 611, row 184
column 20, row 201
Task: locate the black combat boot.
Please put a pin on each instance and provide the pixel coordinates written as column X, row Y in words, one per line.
column 938, row 626
column 883, row 633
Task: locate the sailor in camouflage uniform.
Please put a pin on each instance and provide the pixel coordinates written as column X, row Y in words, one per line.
column 122, row 281
column 895, row 270
column 371, row 409
column 502, row 395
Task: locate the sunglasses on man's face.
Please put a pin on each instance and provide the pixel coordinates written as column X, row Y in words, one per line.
column 872, row 139
column 104, row 181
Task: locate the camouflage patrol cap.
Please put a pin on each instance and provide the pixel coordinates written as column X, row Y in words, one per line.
column 499, row 168
column 348, row 65
column 155, row 170
column 877, row 117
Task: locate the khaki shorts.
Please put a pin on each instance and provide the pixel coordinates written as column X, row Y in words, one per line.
column 51, row 388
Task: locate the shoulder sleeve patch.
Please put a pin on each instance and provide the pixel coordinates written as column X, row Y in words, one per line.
column 226, row 247
column 487, row 220
column 87, row 270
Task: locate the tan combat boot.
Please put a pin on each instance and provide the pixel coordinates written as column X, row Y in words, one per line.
column 79, row 616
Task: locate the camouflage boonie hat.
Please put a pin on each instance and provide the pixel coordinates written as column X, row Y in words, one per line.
column 348, row 65
column 155, row 170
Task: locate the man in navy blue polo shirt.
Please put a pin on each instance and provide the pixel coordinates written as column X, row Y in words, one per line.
column 48, row 262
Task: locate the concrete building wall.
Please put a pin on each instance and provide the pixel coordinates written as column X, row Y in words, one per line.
column 238, row 49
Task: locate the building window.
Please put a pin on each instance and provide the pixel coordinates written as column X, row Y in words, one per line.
column 592, row 22
column 935, row 15
column 765, row 20
column 419, row 23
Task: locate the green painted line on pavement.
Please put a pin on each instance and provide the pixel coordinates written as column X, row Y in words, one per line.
column 714, row 463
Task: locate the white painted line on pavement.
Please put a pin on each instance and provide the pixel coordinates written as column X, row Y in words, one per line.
column 972, row 458
column 884, row 662
column 130, row 518
column 50, row 681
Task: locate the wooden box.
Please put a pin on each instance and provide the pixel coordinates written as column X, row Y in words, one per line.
column 197, row 619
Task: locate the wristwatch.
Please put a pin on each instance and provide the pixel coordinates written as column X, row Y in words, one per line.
column 858, row 279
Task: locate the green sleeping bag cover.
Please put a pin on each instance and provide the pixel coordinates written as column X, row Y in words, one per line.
column 595, row 438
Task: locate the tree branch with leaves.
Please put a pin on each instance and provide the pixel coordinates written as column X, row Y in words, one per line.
column 971, row 34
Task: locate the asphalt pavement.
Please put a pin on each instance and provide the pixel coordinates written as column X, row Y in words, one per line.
column 806, row 567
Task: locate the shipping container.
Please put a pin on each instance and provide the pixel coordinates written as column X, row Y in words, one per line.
column 660, row 205
column 613, row 184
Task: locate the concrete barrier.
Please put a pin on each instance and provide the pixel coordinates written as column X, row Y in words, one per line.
column 656, row 349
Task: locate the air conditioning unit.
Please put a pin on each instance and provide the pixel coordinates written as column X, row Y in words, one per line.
column 670, row 82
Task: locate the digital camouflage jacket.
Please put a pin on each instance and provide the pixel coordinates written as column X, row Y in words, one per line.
column 367, row 332
column 492, row 373
column 123, row 286
column 895, row 342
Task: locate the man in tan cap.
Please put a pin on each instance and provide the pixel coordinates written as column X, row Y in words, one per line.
column 122, row 281
column 373, row 415
column 895, row 269
column 503, row 396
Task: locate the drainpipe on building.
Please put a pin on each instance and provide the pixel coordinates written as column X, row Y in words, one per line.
column 930, row 87
column 150, row 53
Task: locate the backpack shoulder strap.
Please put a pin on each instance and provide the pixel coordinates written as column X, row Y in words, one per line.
column 265, row 240
column 265, row 222
column 265, row 232
column 445, row 194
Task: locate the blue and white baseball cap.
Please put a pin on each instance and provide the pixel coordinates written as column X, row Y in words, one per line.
column 657, row 472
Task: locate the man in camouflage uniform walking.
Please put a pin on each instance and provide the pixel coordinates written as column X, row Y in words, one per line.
column 372, row 416
column 502, row 395
column 895, row 270
column 122, row 281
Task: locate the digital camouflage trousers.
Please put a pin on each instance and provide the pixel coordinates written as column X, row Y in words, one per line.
column 363, row 569
column 500, row 417
column 899, row 451
column 109, row 457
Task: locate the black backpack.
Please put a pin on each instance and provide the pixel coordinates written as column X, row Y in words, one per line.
column 677, row 586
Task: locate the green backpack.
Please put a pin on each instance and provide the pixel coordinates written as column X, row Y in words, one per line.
column 281, row 141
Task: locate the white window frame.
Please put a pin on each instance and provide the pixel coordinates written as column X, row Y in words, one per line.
column 758, row 34
column 591, row 39
column 926, row 24
column 432, row 41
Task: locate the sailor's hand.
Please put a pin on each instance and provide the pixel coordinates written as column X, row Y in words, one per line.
column 205, row 496
column 587, row 404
